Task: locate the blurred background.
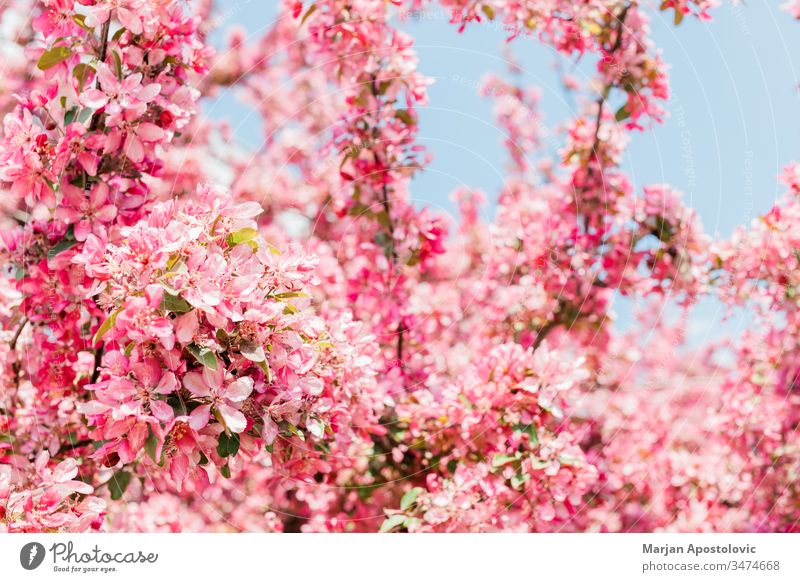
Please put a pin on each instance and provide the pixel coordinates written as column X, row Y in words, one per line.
column 733, row 115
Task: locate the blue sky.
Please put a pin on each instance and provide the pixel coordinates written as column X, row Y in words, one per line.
column 734, row 119
column 734, row 109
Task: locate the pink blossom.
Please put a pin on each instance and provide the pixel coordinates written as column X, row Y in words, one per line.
column 224, row 397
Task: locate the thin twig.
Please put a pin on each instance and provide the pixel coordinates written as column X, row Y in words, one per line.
column 14, row 339
column 98, row 357
column 102, row 56
column 395, row 259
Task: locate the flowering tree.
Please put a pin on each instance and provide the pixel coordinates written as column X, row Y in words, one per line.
column 198, row 337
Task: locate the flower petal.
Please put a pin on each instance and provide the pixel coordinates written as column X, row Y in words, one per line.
column 195, row 383
column 234, row 420
column 199, row 417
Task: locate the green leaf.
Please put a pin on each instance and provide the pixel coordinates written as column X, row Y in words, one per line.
column 81, row 73
column 519, row 479
column 530, row 430
column 252, row 351
column 178, row 405
column 392, row 522
column 488, row 11
column 67, row 242
column 500, row 460
column 292, row 295
column 404, row 115
column 70, row 115
column 117, row 35
column 241, row 236
column 663, row 229
column 118, row 483
column 383, row 87
column 678, row 16
column 569, row 461
column 622, row 114
column 105, row 326
column 266, row 369
column 384, row 220
column 225, row 470
column 85, row 115
column 150, row 444
column 117, row 64
column 410, row 497
column 308, row 13
column 59, row 248
column 538, row 463
column 228, row 445
column 54, row 56
column 80, row 20
column 288, row 427
column 203, row 355
column 175, row 303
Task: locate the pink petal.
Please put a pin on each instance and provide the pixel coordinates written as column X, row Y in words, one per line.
column 149, row 132
column 88, row 162
column 94, row 98
column 312, row 386
column 41, row 461
column 107, row 213
column 196, row 384
column 167, row 384
column 239, row 390
column 149, row 92
column 73, row 196
column 161, row 410
column 234, row 420
column 134, row 150
column 186, row 327
column 270, row 430
column 129, row 20
column 179, row 467
column 65, row 471
column 245, row 210
column 99, row 194
column 199, row 417
column 80, row 487
column 82, row 230
column 214, row 378
column 148, row 372
column 92, row 407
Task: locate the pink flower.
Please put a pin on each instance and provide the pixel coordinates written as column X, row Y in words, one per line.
column 226, row 397
column 126, row 11
column 133, row 137
column 140, row 321
column 79, row 145
column 62, row 477
column 88, row 213
column 121, row 100
column 56, row 19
